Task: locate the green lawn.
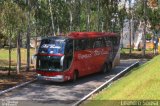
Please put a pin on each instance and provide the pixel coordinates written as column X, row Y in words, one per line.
column 4, row 55
column 126, row 51
column 142, row 83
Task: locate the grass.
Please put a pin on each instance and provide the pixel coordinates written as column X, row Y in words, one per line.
column 126, row 51
column 4, row 56
column 142, row 83
column 14, row 79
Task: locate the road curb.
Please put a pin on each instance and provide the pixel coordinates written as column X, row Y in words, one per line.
column 107, row 82
column 17, row 86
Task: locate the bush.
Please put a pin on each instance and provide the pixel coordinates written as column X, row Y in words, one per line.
column 148, row 36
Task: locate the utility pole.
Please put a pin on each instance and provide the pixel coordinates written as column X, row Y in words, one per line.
column 144, row 28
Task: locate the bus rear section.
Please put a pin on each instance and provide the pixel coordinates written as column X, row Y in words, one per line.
column 66, row 58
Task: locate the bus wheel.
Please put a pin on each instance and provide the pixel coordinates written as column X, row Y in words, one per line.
column 104, row 70
column 75, row 76
column 109, row 67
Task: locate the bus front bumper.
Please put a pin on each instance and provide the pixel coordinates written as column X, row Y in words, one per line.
column 57, row 78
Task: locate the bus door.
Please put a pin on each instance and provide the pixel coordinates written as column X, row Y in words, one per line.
column 68, row 54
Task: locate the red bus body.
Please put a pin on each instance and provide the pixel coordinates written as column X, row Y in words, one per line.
column 86, row 61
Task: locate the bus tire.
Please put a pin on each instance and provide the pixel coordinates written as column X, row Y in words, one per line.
column 104, row 70
column 109, row 67
column 75, row 76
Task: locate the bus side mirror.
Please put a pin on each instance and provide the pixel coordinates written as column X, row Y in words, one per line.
column 61, row 61
column 33, row 59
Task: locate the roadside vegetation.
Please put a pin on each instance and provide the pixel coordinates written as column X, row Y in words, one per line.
column 14, row 79
column 142, row 83
column 136, row 54
column 4, row 58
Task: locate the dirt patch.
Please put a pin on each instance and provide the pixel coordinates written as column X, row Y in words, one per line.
column 7, row 81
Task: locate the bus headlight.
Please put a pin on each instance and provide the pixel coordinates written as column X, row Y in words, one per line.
column 38, row 74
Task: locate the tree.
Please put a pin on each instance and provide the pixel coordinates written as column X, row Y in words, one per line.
column 145, row 13
column 153, row 3
column 45, row 17
column 11, row 21
column 51, row 13
column 122, row 16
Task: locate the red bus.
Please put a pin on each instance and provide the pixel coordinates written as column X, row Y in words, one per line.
column 63, row 58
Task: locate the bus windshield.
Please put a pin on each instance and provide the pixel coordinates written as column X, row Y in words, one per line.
column 52, row 46
column 49, row 63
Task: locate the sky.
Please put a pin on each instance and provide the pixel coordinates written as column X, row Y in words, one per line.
column 127, row 5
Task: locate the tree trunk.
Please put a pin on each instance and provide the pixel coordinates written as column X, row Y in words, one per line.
column 130, row 31
column 9, row 71
column 71, row 19
column 18, row 54
column 144, row 34
column 122, row 37
column 50, row 9
column 79, row 17
column 36, row 37
column 28, row 43
column 28, row 49
column 88, row 15
column 98, row 16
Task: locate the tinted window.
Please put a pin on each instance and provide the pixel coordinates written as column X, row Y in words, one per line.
column 80, row 44
column 114, row 40
column 48, row 63
column 52, row 46
column 99, row 42
column 69, row 47
column 108, row 41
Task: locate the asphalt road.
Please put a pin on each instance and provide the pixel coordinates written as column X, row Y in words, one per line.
column 44, row 93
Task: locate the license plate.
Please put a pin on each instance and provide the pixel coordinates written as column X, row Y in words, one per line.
column 47, row 78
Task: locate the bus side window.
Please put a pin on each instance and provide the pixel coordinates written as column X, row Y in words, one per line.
column 80, row 44
column 118, row 40
column 115, row 41
column 107, row 43
column 89, row 43
column 92, row 40
column 76, row 45
column 83, row 44
column 99, row 42
column 69, row 47
column 102, row 42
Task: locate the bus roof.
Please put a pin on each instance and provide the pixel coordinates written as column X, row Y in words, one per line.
column 79, row 35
